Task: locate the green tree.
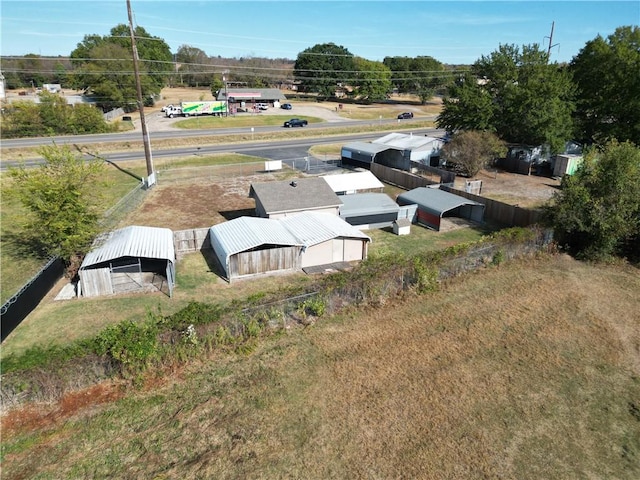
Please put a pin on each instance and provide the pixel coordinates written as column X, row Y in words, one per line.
column 472, row 150
column 596, row 214
column 373, row 80
column 103, row 66
column 606, row 72
column 420, row 76
column 61, row 201
column 194, row 69
column 518, row 95
column 323, row 67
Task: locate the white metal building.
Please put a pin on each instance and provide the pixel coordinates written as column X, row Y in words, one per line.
column 350, row 183
column 417, row 148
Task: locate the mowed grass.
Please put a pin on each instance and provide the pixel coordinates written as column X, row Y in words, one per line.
column 526, row 371
column 239, row 121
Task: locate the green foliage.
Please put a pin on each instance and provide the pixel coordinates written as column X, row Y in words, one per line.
column 606, row 75
column 420, row 76
column 103, row 66
column 133, row 345
column 195, row 313
column 596, row 214
column 62, row 202
column 52, row 116
column 373, row 80
column 498, row 257
column 516, row 94
column 471, row 151
column 194, row 70
column 314, row 306
column 321, row 67
column 426, row 276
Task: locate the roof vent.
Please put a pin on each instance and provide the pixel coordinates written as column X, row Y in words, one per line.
column 294, row 184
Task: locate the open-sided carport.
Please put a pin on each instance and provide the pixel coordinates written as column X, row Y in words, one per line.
column 433, row 204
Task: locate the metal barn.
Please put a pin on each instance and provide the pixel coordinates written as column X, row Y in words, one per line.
column 132, row 259
column 433, row 204
column 247, row 246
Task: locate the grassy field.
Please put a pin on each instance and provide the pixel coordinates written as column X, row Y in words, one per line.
column 526, row 371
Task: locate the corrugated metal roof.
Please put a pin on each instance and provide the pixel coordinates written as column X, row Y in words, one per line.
column 434, row 199
column 294, row 195
column 353, row 181
column 312, row 228
column 245, row 233
column 366, row 147
column 133, row 241
column 409, row 142
column 244, row 94
column 367, row 204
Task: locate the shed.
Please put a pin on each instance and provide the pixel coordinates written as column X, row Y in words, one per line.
column 327, row 239
column 417, row 148
column 350, row 183
column 247, row 246
column 566, row 164
column 433, row 204
column 279, row 199
column 363, row 154
column 130, row 259
column 402, row 226
column 369, row 210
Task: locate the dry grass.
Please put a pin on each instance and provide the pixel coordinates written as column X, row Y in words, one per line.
column 528, row 371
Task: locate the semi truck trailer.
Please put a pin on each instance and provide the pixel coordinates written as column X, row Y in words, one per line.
column 187, row 109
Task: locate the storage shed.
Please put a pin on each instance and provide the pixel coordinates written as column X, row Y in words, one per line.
column 247, row 246
column 369, row 210
column 356, row 182
column 131, row 259
column 279, row 199
column 433, row 204
column 417, row 148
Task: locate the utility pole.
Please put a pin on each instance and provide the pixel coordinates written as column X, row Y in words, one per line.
column 151, row 175
column 550, row 37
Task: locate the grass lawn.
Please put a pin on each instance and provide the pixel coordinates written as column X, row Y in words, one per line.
column 209, row 121
column 526, row 371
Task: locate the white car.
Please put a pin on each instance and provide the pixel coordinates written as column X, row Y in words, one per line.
column 262, row 106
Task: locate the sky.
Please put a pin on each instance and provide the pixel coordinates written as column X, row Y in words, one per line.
column 452, row 32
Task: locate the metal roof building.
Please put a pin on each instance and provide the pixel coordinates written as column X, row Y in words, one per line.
column 350, row 183
column 248, row 246
column 369, row 210
column 433, row 204
column 417, row 148
column 363, row 154
column 279, row 199
column 251, row 95
column 129, row 259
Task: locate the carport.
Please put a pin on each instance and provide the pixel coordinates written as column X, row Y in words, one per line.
column 433, row 204
column 131, row 259
column 363, row 154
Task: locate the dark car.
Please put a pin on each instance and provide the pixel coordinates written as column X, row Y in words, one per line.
column 295, row 122
column 405, row 115
column 286, row 106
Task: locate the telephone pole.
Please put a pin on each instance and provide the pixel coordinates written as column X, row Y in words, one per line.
column 151, row 175
column 550, row 37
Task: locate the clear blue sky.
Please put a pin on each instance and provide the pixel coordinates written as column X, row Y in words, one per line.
column 453, row 32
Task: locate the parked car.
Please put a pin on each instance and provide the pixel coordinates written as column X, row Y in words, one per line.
column 262, row 106
column 286, row 106
column 405, row 115
column 295, row 122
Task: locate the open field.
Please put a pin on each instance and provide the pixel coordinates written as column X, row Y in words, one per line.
column 525, row 371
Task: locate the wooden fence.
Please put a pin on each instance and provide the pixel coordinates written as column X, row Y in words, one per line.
column 192, row 240
column 494, row 210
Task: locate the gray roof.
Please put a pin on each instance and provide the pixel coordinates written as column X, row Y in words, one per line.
column 312, row 228
column 353, row 181
column 249, row 94
column 367, row 204
column 294, row 195
column 434, row 200
column 367, row 147
column 303, row 229
column 133, row 241
column 409, row 142
column 245, row 233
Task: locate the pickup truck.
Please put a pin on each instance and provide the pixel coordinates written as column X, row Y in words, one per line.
column 295, row 122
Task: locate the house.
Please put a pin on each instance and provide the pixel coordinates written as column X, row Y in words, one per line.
column 279, row 199
column 249, row 246
column 131, row 259
column 356, row 182
column 369, row 210
column 433, row 204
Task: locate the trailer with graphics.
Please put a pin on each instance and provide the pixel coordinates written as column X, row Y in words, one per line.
column 187, row 109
